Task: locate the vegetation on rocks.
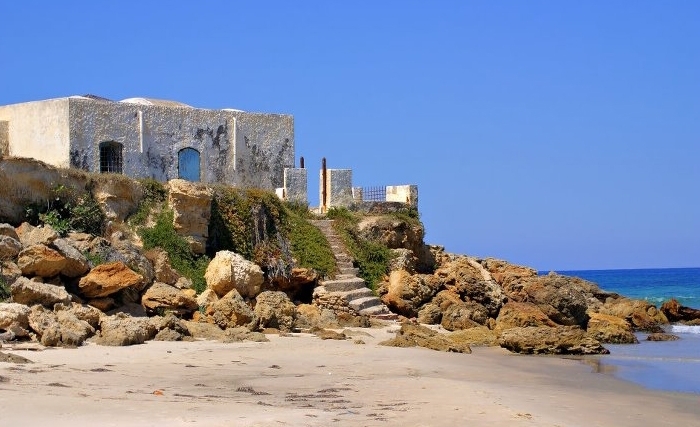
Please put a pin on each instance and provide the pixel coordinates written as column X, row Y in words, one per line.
column 372, row 257
column 309, row 246
column 154, row 196
column 68, row 210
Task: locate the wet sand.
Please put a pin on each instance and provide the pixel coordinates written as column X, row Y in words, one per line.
column 301, row 380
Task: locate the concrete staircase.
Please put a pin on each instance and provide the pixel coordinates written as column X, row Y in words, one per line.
column 346, row 284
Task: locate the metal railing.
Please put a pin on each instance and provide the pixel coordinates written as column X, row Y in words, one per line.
column 374, row 194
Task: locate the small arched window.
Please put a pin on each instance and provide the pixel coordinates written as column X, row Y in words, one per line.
column 188, row 164
column 111, row 158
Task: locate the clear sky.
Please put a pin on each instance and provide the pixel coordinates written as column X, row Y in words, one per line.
column 559, row 135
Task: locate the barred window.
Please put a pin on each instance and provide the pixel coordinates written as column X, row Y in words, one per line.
column 111, row 157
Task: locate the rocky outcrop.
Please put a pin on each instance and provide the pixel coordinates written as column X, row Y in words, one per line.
column 161, row 297
column 30, row 235
column 107, row 279
column 660, row 336
column 162, row 270
column 468, row 279
column 610, row 329
column 230, row 311
column 675, row 312
column 118, row 196
column 274, row 310
column 122, row 329
column 548, row 340
column 642, row 315
column 405, row 293
column 40, row 260
column 28, row 292
column 521, row 314
column 191, row 205
column 76, row 264
column 61, row 327
column 9, row 247
column 411, row 335
column 229, row 270
column 14, row 317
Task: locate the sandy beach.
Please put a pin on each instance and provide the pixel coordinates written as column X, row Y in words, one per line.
column 301, row 380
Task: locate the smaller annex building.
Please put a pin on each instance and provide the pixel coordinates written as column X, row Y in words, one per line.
column 149, row 138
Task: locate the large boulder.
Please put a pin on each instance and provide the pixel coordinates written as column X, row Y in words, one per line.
column 117, row 196
column 231, row 311
column 610, row 329
column 59, row 328
column 162, row 269
column 675, row 312
column 163, row 297
column 124, row 250
column 309, row 316
column 8, row 231
column 191, row 205
column 393, row 232
column 274, row 310
column 521, row 314
column 229, row 270
column 411, row 335
column 548, row 340
column 107, row 279
column 30, row 235
column 472, row 282
column 642, row 315
column 9, row 272
column 557, row 296
column 457, row 314
column 76, row 263
column 405, row 293
column 14, row 317
column 9, row 247
column 122, row 330
column 28, row 292
column 506, row 274
column 40, row 260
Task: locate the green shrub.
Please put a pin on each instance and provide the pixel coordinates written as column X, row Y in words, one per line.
column 309, row 246
column 251, row 222
column 68, row 210
column 4, row 289
column 154, row 196
column 182, row 259
column 372, row 258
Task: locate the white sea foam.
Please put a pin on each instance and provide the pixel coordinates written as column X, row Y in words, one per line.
column 685, row 329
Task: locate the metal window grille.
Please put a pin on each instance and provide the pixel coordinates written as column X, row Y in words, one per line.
column 111, row 157
column 374, row 194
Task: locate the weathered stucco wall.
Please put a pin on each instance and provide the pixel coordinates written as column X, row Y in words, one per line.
column 38, row 130
column 4, row 137
column 296, row 185
column 338, row 188
column 407, row 194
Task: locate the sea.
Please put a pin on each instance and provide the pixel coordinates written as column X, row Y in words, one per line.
column 672, row 365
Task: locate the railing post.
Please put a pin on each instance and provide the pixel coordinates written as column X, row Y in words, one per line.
column 324, row 188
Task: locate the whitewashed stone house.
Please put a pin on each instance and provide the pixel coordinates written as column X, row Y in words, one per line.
column 142, row 138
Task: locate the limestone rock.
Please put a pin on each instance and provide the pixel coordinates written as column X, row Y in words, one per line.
column 30, row 235
column 125, row 251
column 240, row 334
column 229, row 270
column 163, row 271
column 300, row 281
column 404, row 293
column 420, row 336
column 476, row 336
column 464, row 315
column 103, row 304
column 430, row 314
column 118, row 196
column 642, row 315
column 309, row 316
column 106, row 279
column 191, row 205
column 547, row 340
column 207, row 297
column 28, row 292
column 76, row 263
column 472, row 282
column 393, row 232
column 9, row 272
column 40, row 260
column 658, row 336
column 610, row 329
column 275, row 310
column 86, row 313
column 403, row 259
column 506, row 274
column 9, row 231
column 9, row 247
column 200, row 330
column 675, row 312
column 60, row 328
column 521, row 314
column 161, row 296
column 122, row 330
column 231, row 311
column 559, row 297
column 14, row 317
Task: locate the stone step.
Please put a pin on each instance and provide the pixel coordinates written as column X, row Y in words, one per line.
column 360, row 304
column 356, row 294
column 349, row 271
column 343, row 284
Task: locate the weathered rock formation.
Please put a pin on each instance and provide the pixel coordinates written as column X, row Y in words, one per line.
column 229, row 270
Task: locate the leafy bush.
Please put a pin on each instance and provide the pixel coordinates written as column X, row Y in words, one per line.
column 372, row 258
column 182, row 259
column 68, row 210
column 154, row 195
column 4, row 289
column 251, row 222
column 309, row 246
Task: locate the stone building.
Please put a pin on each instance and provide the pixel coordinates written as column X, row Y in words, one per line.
column 159, row 139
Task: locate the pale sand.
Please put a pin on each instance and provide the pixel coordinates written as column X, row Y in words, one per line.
column 302, row 380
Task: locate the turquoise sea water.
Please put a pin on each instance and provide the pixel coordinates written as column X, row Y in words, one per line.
column 673, row 365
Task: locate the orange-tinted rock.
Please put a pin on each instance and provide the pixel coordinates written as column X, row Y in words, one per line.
column 106, row 279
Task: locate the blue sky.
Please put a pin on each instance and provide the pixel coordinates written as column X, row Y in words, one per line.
column 559, row 135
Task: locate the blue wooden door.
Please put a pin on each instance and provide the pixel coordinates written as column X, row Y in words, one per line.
column 188, row 164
